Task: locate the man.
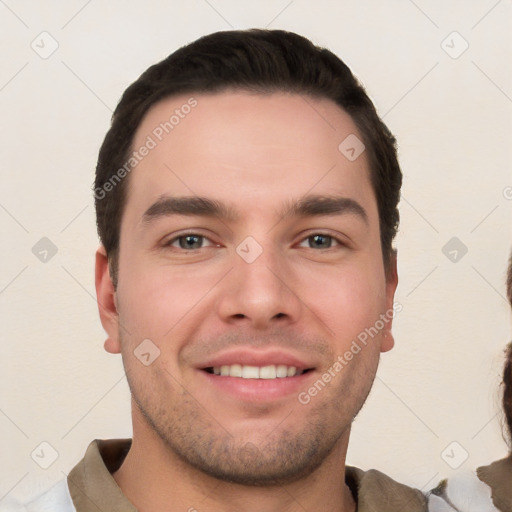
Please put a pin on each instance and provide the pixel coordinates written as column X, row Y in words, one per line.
column 246, row 199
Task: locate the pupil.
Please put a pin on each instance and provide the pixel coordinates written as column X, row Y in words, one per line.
column 188, row 241
column 319, row 239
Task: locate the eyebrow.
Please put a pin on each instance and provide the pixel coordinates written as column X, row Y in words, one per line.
column 309, row 206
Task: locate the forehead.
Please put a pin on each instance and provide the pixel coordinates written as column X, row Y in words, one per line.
column 235, row 146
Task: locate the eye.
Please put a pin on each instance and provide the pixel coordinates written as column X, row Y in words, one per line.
column 320, row 241
column 189, row 241
column 194, row 241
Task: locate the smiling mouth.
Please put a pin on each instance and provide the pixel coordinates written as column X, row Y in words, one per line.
column 279, row 371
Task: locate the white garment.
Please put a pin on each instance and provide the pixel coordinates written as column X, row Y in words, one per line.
column 8, row 504
column 56, row 499
column 464, row 492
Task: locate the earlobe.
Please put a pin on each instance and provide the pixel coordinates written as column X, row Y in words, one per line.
column 106, row 298
column 388, row 341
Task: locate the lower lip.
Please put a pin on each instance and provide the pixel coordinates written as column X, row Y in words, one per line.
column 258, row 390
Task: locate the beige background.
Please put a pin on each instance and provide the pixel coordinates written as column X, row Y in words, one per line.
column 453, row 120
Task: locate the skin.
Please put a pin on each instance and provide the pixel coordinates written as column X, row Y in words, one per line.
column 194, row 445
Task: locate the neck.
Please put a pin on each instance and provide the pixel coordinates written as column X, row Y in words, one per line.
column 155, row 479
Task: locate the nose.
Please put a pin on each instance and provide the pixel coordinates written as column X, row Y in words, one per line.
column 261, row 293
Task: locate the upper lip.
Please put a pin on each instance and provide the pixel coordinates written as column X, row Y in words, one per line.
column 251, row 357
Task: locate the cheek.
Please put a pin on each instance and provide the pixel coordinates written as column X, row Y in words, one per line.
column 348, row 301
column 155, row 300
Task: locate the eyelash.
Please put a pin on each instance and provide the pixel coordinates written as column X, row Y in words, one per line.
column 170, row 243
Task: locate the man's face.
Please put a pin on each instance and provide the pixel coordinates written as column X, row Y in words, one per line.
column 284, row 281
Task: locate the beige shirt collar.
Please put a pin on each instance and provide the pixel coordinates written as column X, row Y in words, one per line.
column 93, row 488
column 91, row 484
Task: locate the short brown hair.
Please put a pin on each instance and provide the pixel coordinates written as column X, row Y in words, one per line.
column 258, row 61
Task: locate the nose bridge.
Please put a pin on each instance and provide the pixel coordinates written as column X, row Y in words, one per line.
column 259, row 266
column 258, row 289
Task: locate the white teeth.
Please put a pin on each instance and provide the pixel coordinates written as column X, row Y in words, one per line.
column 236, row 370
column 291, row 371
column 282, row 370
column 268, row 372
column 256, row 372
column 250, row 372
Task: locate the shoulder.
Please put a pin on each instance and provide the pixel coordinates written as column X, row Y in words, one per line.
column 488, row 489
column 377, row 491
column 498, row 476
column 56, row 499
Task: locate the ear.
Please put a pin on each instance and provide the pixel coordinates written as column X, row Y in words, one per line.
column 106, row 297
column 391, row 283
